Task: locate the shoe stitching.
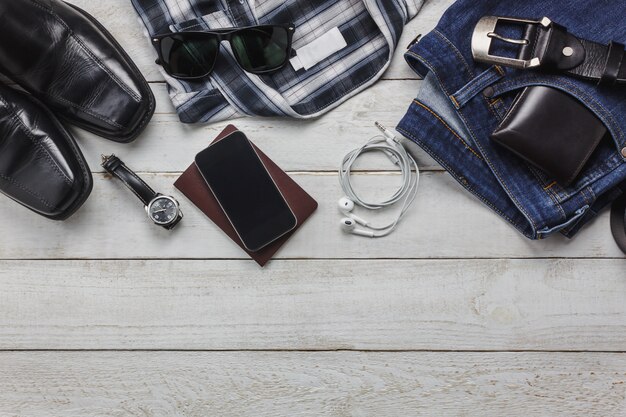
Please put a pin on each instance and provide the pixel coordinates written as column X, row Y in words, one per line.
column 53, row 163
column 86, row 110
column 21, row 186
column 89, row 52
column 96, row 59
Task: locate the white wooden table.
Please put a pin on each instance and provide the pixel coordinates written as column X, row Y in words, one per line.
column 455, row 314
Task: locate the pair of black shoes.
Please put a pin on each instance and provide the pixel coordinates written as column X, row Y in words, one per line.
column 71, row 69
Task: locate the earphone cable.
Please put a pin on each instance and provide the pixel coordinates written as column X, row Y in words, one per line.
column 397, row 153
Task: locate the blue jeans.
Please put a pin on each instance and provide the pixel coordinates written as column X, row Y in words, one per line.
column 461, row 103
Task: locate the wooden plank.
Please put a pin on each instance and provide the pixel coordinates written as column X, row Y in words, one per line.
column 337, row 384
column 120, row 18
column 314, row 305
column 445, row 222
column 167, row 145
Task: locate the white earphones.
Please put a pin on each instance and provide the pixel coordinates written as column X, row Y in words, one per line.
column 394, row 150
column 346, row 206
column 349, row 226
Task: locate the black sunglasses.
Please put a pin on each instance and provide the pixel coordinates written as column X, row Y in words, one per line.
column 257, row 49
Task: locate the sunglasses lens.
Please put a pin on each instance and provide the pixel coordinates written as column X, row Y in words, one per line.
column 189, row 55
column 261, row 49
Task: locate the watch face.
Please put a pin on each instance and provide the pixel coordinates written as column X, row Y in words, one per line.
column 163, row 210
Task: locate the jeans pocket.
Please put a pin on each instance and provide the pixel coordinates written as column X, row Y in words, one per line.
column 604, row 159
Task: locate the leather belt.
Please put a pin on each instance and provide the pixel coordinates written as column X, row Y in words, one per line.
column 549, row 47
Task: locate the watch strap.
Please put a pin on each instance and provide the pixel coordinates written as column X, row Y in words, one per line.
column 114, row 166
column 559, row 51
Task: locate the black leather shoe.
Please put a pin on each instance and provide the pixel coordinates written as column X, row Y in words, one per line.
column 41, row 166
column 70, row 62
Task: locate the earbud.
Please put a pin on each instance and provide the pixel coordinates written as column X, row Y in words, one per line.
column 349, row 226
column 388, row 144
column 346, row 206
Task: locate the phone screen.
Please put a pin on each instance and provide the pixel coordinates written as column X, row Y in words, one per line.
column 246, row 191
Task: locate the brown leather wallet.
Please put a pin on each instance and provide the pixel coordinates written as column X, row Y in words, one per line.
column 193, row 186
column 552, row 130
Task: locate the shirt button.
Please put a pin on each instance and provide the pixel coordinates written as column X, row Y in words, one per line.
column 489, row 92
column 624, row 152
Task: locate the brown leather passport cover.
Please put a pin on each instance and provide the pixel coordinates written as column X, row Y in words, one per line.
column 193, row 186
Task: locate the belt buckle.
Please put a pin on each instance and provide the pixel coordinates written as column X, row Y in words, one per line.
column 485, row 32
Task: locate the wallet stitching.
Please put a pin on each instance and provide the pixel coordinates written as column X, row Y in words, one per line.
column 585, row 159
column 515, row 107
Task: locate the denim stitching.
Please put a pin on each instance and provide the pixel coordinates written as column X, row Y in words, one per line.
column 498, row 107
column 456, row 52
column 577, row 93
column 497, row 174
column 448, row 127
column 583, row 192
column 515, row 106
column 491, row 109
column 475, row 85
column 517, row 204
column 432, row 71
column 549, row 190
column 592, row 193
column 457, row 177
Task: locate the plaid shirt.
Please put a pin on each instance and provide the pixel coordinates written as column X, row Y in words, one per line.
column 371, row 29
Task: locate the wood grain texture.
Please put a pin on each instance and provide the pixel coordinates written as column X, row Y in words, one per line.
column 374, row 300
column 314, row 305
column 167, row 145
column 445, row 222
column 338, row 384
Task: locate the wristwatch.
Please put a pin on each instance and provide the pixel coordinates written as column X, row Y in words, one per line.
column 163, row 210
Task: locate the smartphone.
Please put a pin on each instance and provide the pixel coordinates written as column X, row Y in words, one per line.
column 246, row 191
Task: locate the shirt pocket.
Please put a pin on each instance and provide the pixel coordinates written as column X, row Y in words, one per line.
column 606, row 158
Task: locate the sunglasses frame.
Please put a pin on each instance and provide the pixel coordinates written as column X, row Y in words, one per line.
column 225, row 35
